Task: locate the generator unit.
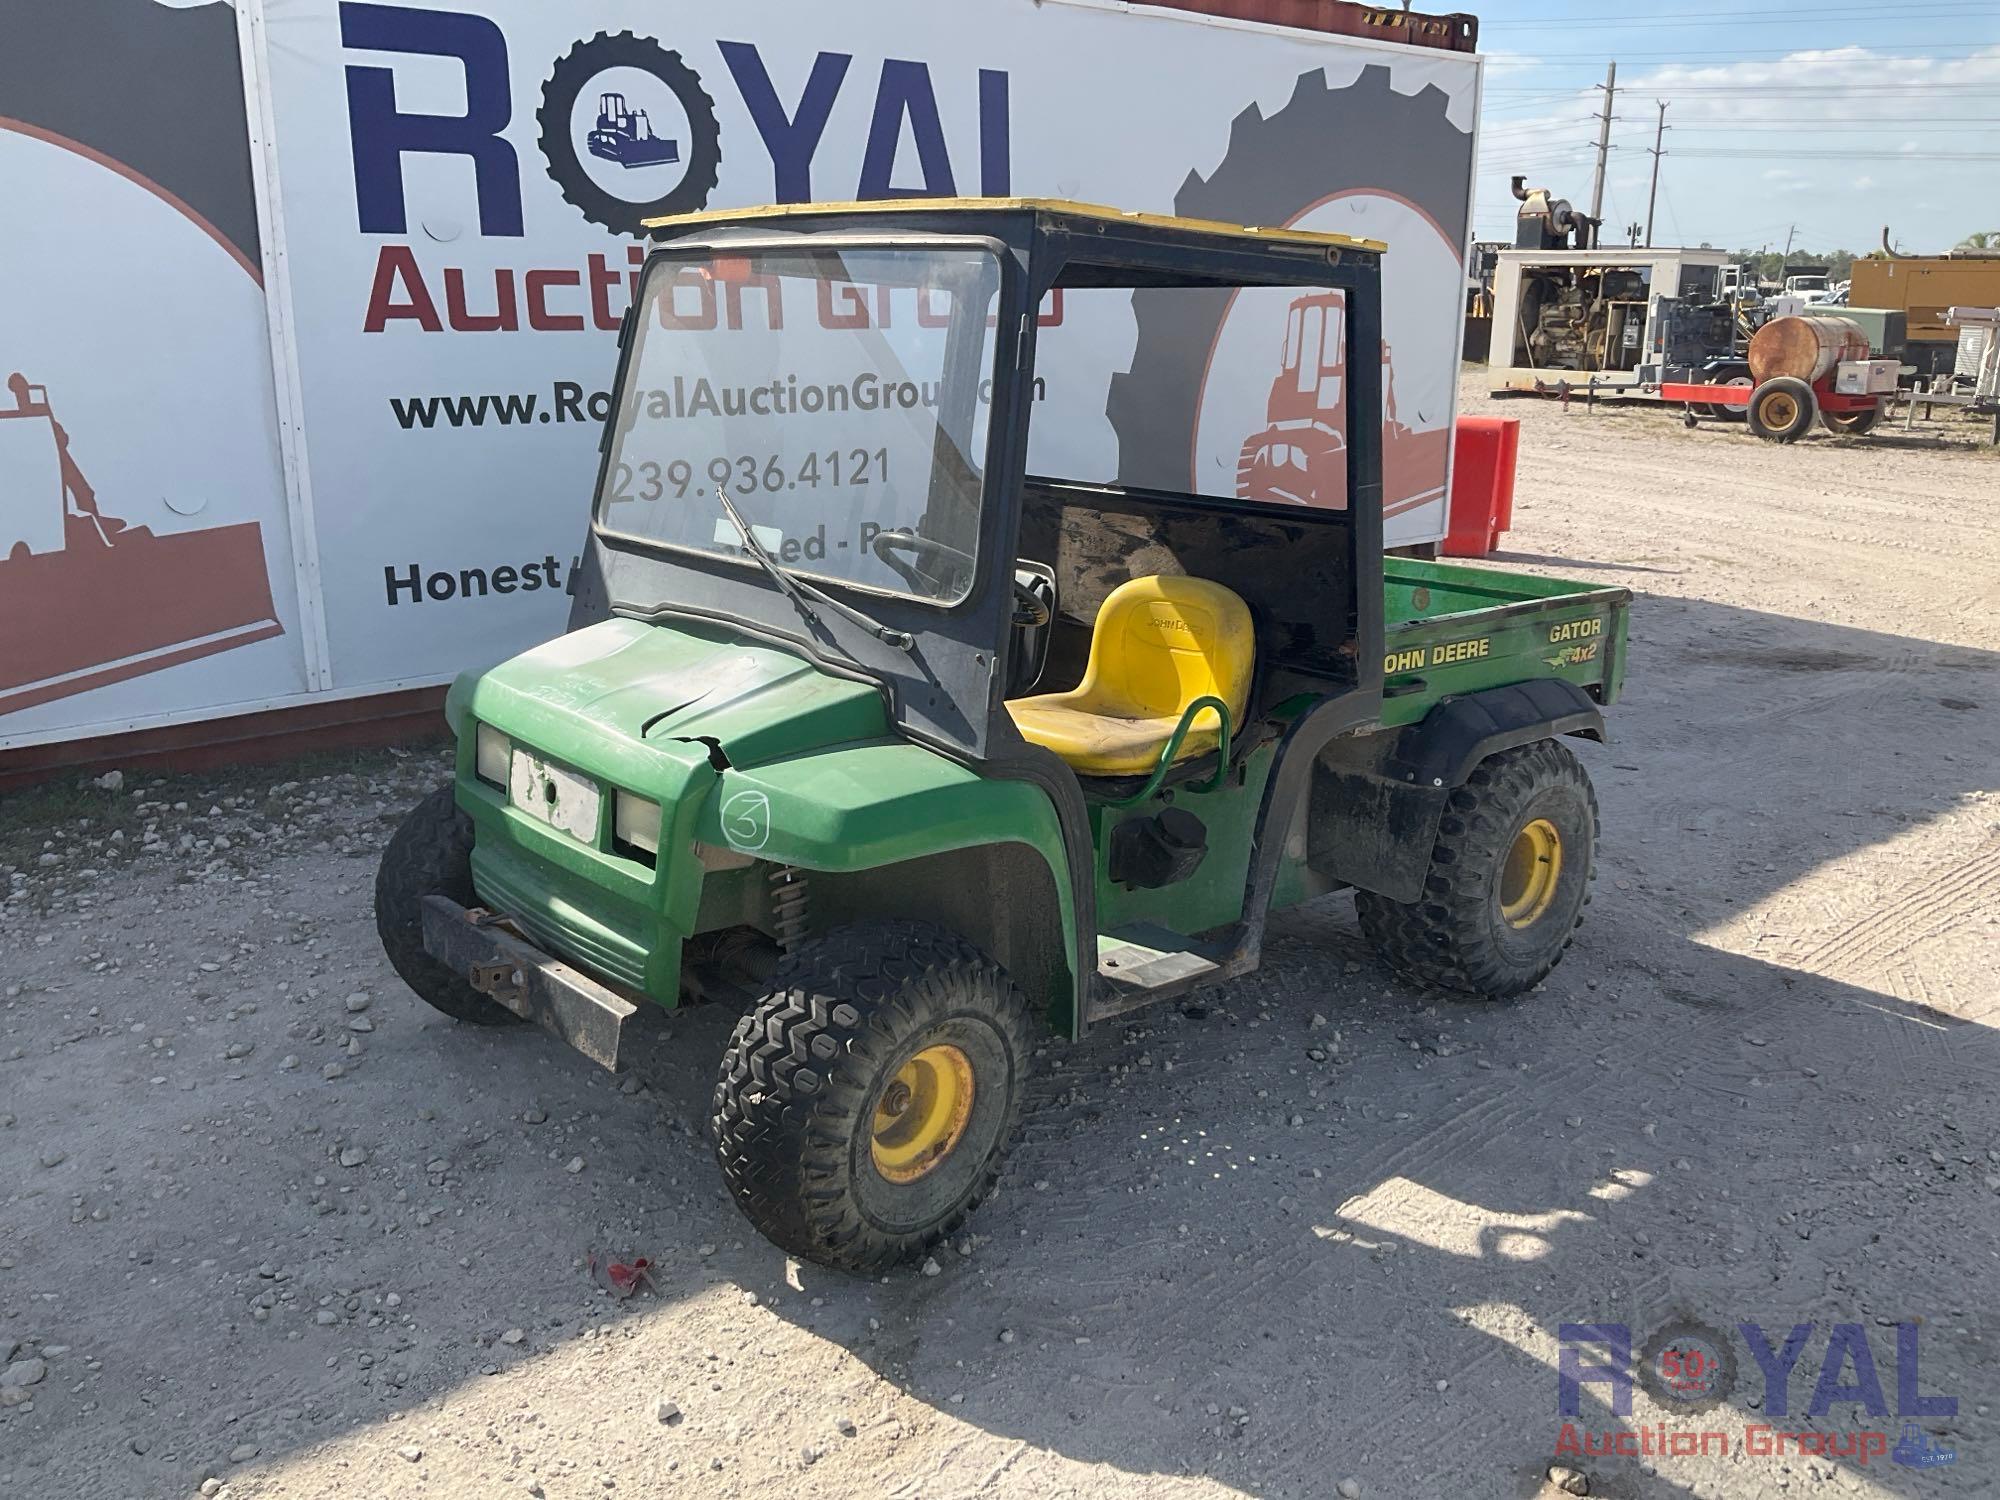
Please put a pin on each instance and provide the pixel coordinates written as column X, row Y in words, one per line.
column 1608, row 320
column 1923, row 288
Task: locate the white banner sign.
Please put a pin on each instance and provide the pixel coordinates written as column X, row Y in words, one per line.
column 452, row 200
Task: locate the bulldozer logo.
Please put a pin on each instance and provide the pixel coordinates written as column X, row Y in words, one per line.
column 628, row 132
column 1286, row 444
column 1301, row 457
column 88, row 599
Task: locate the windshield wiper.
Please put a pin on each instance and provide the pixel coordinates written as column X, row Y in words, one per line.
column 797, row 589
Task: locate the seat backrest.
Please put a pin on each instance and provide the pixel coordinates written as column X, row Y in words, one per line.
column 1164, row 641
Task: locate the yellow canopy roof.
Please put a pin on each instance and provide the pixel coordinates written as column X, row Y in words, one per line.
column 1046, row 205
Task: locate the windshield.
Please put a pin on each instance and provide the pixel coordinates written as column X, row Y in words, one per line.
column 838, row 396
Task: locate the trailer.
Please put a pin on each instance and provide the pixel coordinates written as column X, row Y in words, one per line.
column 1800, row 369
column 1783, row 410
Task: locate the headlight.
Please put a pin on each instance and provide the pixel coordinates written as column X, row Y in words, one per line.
column 491, row 753
column 635, row 822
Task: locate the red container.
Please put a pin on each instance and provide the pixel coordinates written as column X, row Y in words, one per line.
column 1484, row 450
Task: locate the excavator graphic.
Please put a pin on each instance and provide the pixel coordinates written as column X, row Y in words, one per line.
column 625, row 135
column 1300, row 458
column 86, row 599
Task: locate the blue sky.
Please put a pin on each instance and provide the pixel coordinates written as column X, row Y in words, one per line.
column 1838, row 117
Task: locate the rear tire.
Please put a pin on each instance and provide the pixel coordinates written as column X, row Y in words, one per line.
column 1509, row 877
column 430, row 854
column 1782, row 409
column 866, row 1104
column 1850, row 423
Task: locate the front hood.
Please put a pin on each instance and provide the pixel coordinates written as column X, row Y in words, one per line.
column 678, row 688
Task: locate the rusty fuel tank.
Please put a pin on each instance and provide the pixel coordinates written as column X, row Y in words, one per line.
column 1807, row 346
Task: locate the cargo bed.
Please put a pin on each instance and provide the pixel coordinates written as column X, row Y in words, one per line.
column 1450, row 629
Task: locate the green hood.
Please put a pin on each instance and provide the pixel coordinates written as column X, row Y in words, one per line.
column 669, row 688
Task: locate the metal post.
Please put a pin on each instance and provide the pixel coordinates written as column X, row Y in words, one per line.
column 1610, row 87
column 1653, row 194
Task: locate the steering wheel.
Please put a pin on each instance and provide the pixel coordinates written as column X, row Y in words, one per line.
column 1031, row 611
column 923, row 550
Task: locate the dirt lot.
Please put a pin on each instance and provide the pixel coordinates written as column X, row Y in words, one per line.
column 267, row 1221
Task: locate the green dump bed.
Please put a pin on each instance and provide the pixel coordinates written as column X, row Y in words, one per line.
column 1452, row 629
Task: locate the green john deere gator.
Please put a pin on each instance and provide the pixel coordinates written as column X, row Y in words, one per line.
column 913, row 754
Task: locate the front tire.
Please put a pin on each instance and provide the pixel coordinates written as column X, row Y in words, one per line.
column 866, row 1104
column 1509, row 877
column 1730, row 413
column 1782, row 409
column 430, row 854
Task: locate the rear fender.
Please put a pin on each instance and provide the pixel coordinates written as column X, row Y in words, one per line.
column 1459, row 733
column 1376, row 801
column 897, row 831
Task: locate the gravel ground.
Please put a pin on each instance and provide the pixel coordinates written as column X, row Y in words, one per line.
column 271, row 1227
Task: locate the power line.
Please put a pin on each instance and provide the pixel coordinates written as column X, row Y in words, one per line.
column 1537, row 128
column 1821, row 127
column 1673, row 218
column 1980, row 50
column 1914, row 86
column 1525, row 139
column 1774, row 15
column 1839, row 154
column 1848, row 122
column 1498, row 29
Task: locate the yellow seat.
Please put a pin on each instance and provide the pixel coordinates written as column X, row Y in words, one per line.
column 1158, row 645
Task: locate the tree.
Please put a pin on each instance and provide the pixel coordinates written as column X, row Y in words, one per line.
column 1772, row 266
column 1983, row 239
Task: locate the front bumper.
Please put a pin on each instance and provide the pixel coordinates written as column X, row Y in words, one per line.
column 527, row 981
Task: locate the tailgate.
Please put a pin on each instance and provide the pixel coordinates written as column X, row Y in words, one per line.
column 1450, row 629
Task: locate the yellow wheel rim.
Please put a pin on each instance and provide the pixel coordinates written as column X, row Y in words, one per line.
column 1780, row 410
column 922, row 1113
column 1529, row 878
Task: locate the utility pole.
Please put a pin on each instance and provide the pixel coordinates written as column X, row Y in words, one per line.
column 1653, row 194
column 1610, row 87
